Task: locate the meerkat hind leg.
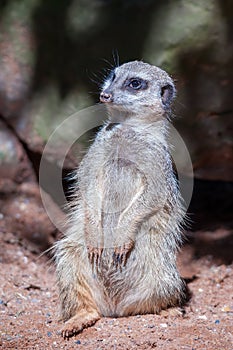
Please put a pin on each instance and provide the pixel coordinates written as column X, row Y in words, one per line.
column 77, row 323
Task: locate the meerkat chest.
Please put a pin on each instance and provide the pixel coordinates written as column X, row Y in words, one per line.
column 128, row 144
column 121, row 158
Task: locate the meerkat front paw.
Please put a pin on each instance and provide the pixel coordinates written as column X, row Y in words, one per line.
column 121, row 254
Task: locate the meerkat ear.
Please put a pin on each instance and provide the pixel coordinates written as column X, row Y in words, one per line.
column 167, row 94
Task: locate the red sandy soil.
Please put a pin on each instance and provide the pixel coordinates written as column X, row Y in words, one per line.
column 29, row 303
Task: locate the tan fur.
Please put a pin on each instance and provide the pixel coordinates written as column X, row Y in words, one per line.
column 118, row 257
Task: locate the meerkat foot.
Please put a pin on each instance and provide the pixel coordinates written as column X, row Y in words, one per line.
column 121, row 253
column 172, row 311
column 94, row 254
column 78, row 322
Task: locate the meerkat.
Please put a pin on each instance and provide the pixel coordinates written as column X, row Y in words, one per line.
column 118, row 256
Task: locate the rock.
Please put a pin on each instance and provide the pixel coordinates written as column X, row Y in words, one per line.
column 14, row 163
column 21, row 208
column 48, row 54
column 31, row 76
column 24, row 215
column 213, row 154
column 43, row 114
column 193, row 40
column 16, row 57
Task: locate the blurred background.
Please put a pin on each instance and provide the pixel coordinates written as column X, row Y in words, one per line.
column 53, row 56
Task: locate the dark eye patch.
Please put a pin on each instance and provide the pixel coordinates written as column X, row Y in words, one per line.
column 135, row 84
column 110, row 126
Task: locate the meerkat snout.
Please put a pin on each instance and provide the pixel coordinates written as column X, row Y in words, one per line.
column 106, row 97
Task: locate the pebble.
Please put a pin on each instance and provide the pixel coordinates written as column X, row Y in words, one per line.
column 77, row 342
column 9, row 338
column 202, row 317
column 163, row 325
column 226, row 308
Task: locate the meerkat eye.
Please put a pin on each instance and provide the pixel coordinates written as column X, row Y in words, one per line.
column 167, row 93
column 136, row 84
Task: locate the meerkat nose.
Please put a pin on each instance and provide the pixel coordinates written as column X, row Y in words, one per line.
column 106, row 97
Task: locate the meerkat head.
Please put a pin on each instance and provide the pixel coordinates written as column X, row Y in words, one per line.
column 138, row 88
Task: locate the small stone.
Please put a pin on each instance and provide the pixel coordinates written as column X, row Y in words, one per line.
column 49, row 334
column 202, row 317
column 9, row 338
column 34, row 300
column 217, row 322
column 77, row 342
column 226, row 308
column 163, row 325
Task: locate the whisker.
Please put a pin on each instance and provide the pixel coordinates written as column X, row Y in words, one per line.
column 116, row 58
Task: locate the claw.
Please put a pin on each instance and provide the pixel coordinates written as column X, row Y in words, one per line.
column 121, row 253
column 94, row 255
column 90, row 253
column 124, row 258
column 116, row 257
column 100, row 251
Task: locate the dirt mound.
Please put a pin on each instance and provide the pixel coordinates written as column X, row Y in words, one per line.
column 29, row 304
